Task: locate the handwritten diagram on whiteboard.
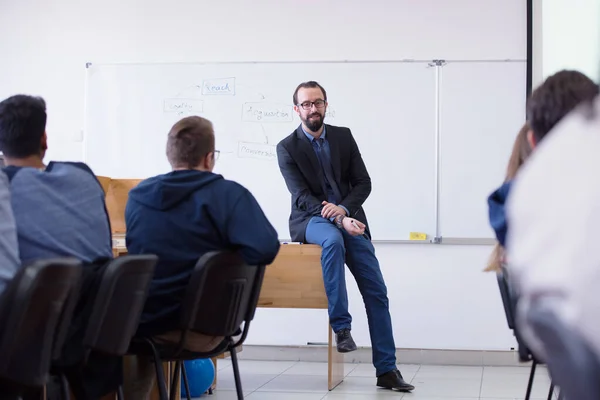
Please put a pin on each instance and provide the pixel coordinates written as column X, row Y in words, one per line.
column 388, row 106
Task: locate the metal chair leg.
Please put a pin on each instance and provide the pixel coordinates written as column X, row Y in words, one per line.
column 160, row 376
column 185, row 381
column 120, row 395
column 236, row 374
column 175, row 381
column 551, row 391
column 64, row 387
column 531, row 376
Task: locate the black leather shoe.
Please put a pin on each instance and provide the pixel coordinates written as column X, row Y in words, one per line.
column 344, row 341
column 393, row 380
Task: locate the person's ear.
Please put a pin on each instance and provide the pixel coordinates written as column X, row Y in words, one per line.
column 297, row 109
column 209, row 161
column 44, row 142
column 531, row 139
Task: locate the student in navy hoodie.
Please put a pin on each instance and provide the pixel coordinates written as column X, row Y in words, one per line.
column 548, row 104
column 182, row 215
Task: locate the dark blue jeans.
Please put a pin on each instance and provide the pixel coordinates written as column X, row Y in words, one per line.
column 358, row 253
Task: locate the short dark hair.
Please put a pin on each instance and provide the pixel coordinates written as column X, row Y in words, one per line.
column 555, row 98
column 308, row 85
column 190, row 139
column 22, row 125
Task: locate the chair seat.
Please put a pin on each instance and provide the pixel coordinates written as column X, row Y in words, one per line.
column 169, row 352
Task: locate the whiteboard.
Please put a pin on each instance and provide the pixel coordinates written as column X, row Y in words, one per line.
column 482, row 108
column 389, row 106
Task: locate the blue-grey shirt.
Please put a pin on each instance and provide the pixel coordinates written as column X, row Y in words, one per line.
column 60, row 212
column 9, row 248
column 325, row 147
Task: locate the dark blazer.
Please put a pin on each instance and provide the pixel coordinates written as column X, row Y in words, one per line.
column 303, row 176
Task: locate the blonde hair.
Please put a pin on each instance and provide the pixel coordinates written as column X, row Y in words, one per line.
column 520, row 152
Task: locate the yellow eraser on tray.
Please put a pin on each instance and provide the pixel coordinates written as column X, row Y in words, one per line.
column 418, row 236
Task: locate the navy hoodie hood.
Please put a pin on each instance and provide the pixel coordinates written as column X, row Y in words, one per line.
column 164, row 192
column 497, row 211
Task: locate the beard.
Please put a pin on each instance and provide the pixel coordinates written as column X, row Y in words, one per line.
column 314, row 121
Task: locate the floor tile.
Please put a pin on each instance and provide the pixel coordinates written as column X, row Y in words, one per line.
column 250, row 382
column 297, row 383
column 445, row 387
column 449, row 372
column 258, row 395
column 514, row 386
column 263, row 367
column 364, row 396
column 315, row 368
column 368, row 371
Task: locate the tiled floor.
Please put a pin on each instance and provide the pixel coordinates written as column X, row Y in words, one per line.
column 282, row 380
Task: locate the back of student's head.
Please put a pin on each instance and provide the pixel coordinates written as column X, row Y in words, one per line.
column 555, row 98
column 22, row 126
column 191, row 142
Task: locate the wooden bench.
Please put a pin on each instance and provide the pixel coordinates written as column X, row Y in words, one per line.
column 294, row 280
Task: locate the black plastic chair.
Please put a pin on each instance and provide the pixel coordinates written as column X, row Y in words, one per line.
column 509, row 301
column 572, row 363
column 117, row 307
column 30, row 309
column 221, row 296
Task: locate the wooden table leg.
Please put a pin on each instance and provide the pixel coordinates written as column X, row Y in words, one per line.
column 335, row 363
column 213, row 387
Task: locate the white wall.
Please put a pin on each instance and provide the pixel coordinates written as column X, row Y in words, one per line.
column 439, row 296
column 568, row 37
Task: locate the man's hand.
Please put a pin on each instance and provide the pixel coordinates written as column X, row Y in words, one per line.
column 353, row 226
column 330, row 210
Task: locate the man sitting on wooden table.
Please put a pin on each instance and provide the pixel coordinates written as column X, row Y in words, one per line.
column 59, row 212
column 179, row 216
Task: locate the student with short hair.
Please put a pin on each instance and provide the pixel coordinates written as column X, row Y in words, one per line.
column 59, row 211
column 59, row 208
column 180, row 216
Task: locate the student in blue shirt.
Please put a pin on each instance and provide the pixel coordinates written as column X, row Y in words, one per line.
column 59, row 211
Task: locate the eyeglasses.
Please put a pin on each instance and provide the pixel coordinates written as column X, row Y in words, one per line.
column 307, row 105
column 216, row 154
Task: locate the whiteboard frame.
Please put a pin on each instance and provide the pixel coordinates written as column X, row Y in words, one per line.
column 435, row 63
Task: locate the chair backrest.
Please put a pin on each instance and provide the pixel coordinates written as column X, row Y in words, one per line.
column 508, row 301
column 64, row 320
column 222, row 294
column 573, row 366
column 119, row 303
column 29, row 315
